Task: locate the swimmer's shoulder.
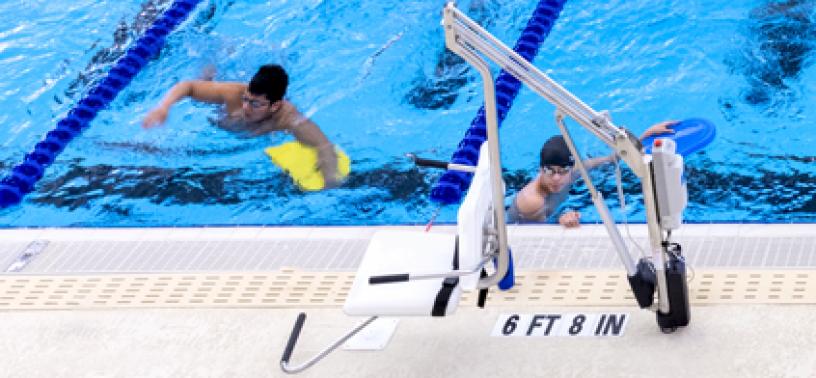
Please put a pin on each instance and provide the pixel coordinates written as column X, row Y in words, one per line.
column 528, row 200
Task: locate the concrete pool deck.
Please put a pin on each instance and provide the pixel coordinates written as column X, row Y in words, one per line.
column 221, row 302
column 721, row 341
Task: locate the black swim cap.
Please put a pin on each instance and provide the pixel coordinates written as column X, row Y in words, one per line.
column 271, row 81
column 555, row 152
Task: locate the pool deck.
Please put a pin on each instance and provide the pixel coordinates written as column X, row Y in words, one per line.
column 221, row 302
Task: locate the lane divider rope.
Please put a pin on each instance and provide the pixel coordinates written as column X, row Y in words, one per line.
column 22, row 178
column 452, row 185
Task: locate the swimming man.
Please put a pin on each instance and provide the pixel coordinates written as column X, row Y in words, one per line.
column 255, row 109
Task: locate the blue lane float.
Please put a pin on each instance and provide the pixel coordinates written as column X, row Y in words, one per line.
column 451, row 186
column 25, row 175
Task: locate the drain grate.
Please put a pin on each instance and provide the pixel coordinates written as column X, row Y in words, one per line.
column 27, row 255
column 253, row 249
column 302, row 289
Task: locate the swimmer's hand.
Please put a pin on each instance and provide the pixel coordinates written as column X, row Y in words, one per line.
column 331, row 183
column 156, row 117
column 659, row 128
column 570, row 219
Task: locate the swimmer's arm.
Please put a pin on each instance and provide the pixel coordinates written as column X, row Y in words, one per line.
column 199, row 90
column 309, row 134
column 528, row 201
column 566, row 216
column 204, row 91
column 598, row 161
column 659, row 128
column 656, row 129
column 327, row 163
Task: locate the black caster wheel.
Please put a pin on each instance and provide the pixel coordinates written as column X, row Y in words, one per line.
column 668, row 330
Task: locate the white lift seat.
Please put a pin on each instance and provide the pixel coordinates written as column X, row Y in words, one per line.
column 416, row 253
column 395, row 252
column 473, row 216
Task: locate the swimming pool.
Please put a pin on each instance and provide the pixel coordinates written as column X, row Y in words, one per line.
column 353, row 65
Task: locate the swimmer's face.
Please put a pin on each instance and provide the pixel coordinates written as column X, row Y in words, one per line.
column 257, row 107
column 554, row 178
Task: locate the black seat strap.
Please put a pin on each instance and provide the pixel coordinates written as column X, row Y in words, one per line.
column 448, row 284
column 483, row 292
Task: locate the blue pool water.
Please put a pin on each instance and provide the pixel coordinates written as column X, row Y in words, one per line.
column 745, row 65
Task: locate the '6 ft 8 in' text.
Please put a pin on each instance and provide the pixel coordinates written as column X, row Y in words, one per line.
column 555, row 324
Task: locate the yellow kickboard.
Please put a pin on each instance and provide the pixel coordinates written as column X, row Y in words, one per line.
column 299, row 161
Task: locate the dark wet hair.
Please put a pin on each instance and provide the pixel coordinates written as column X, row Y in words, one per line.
column 555, row 152
column 271, row 81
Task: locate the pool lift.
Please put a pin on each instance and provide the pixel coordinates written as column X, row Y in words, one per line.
column 441, row 265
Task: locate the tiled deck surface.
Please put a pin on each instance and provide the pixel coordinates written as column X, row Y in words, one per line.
column 752, row 301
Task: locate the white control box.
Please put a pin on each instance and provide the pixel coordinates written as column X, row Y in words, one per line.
column 670, row 187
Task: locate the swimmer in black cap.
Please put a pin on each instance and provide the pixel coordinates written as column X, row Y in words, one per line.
column 541, row 197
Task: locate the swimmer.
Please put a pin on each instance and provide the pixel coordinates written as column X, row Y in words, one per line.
column 254, row 109
column 541, row 198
